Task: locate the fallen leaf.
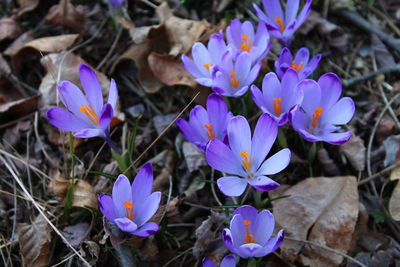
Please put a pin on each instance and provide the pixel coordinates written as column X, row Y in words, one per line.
column 35, row 242
column 65, row 14
column 90, row 251
column 75, row 234
column 322, row 210
column 392, row 147
column 169, row 70
column 18, row 108
column 26, row 6
column 83, row 196
column 394, row 202
column 327, row 163
column 383, row 56
column 193, row 156
column 13, row 48
column 354, row 150
column 161, row 181
column 4, row 67
column 9, row 28
column 162, row 121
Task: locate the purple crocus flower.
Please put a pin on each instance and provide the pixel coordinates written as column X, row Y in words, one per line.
column 131, row 206
column 300, row 63
column 205, row 125
column 241, row 37
column 279, row 25
column 276, row 98
column 245, row 156
column 321, row 111
column 227, row 261
column 233, row 77
column 87, row 116
column 250, row 233
column 205, row 59
column 116, row 3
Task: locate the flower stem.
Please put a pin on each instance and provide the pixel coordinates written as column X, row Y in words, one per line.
column 252, row 262
column 72, row 155
column 124, row 252
column 257, row 198
column 110, row 143
column 282, row 138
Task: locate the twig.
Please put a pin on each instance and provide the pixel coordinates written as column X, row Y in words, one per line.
column 15, row 176
column 177, row 257
column 368, row 27
column 351, row 81
column 169, row 197
column 114, row 44
column 328, row 249
column 213, row 188
column 35, row 128
column 386, row 18
column 378, row 174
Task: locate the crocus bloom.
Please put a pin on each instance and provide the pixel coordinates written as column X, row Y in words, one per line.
column 205, row 125
column 87, row 116
column 276, row 98
column 245, row 156
column 321, row 111
column 131, row 206
column 300, row 63
column 250, row 233
column 233, row 78
column 279, row 25
column 241, row 37
column 227, row 261
column 204, row 59
column 116, row 3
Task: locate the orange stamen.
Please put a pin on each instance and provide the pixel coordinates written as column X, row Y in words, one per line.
column 246, row 45
column 208, row 66
column 277, row 102
column 90, row 113
column 281, row 24
column 248, row 237
column 297, row 67
column 235, row 83
column 209, row 131
column 247, row 161
column 129, row 209
column 315, row 117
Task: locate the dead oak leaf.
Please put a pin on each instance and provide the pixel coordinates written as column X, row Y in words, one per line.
column 26, row 6
column 65, row 14
column 9, row 28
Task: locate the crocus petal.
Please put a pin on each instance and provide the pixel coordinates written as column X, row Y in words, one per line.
column 207, row 82
column 232, row 186
column 238, row 230
column 201, row 57
column 113, row 94
column 147, row 208
column 271, row 87
column 312, row 95
column 217, row 111
column 91, row 86
column 208, row 263
column 248, row 250
column 147, row 229
column 336, row 138
column 65, row 120
column 121, row 193
column 292, row 7
column 341, row 112
column 216, row 47
column 227, row 238
column 242, row 67
column 263, row 138
column 312, row 65
column 302, row 55
column 198, row 119
column 107, row 114
column 188, row 131
column 253, row 73
column 142, row 184
column 125, row 225
column 274, row 243
column 276, row 163
column 107, row 207
column 239, row 135
column 247, row 28
column 191, row 67
column 273, row 8
column 72, row 97
column 241, row 92
column 248, row 212
column 304, row 13
column 263, row 183
column 258, row 98
column 228, row 261
column 261, row 14
column 331, row 89
column 263, row 227
column 90, row 132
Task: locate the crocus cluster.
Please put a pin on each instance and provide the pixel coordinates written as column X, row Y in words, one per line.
column 227, row 261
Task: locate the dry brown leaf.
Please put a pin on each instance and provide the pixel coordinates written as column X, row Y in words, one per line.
column 24, row 38
column 16, row 109
column 169, row 70
column 84, row 194
column 35, row 242
column 65, row 14
column 9, row 28
column 354, row 150
column 26, row 6
column 4, row 67
column 193, row 156
column 394, row 202
column 323, row 210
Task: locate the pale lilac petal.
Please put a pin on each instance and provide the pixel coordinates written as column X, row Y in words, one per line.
column 142, row 184
column 274, row 243
column 263, row 138
column 263, row 227
column 147, row 229
column 107, row 114
column 91, row 86
column 292, row 6
column 232, row 186
column 241, row 92
column 65, row 120
column 249, row 250
column 121, row 193
column 217, row 111
column 113, row 94
column 336, row 138
column 191, row 67
column 221, row 158
column 216, row 47
column 242, row 68
column 125, row 225
column 201, row 57
column 253, row 73
column 312, row 95
column 147, row 208
column 289, row 97
column 207, row 82
column 72, row 97
column 235, row 32
column 341, row 112
column 228, row 241
column 271, row 87
column 331, row 89
column 247, row 28
column 303, row 55
column 248, row 212
column 261, row 15
column 208, row 263
column 287, row 35
column 90, row 132
column 239, row 136
column 263, row 183
column 304, row 13
column 198, row 119
column 274, row 31
column 238, row 230
column 107, row 207
column 258, row 98
column 273, row 9
column 276, row 163
column 188, row 131
column 312, row 65
column 228, row 261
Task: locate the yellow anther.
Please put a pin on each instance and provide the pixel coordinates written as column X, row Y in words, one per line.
column 90, row 113
column 277, row 102
column 315, row 117
column 248, row 237
column 246, row 44
column 209, row 131
column 281, row 24
column 208, row 66
column 246, row 161
column 129, row 209
column 235, row 83
column 297, row 67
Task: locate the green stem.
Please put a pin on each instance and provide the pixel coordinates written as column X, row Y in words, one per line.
column 257, row 198
column 282, row 138
column 252, row 262
column 72, row 155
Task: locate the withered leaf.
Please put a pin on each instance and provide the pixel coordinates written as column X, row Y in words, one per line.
column 35, row 242
column 16, row 109
column 26, row 6
column 323, row 210
column 394, row 202
column 9, row 28
column 354, row 150
column 83, row 196
column 65, row 14
column 193, row 156
column 75, row 234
